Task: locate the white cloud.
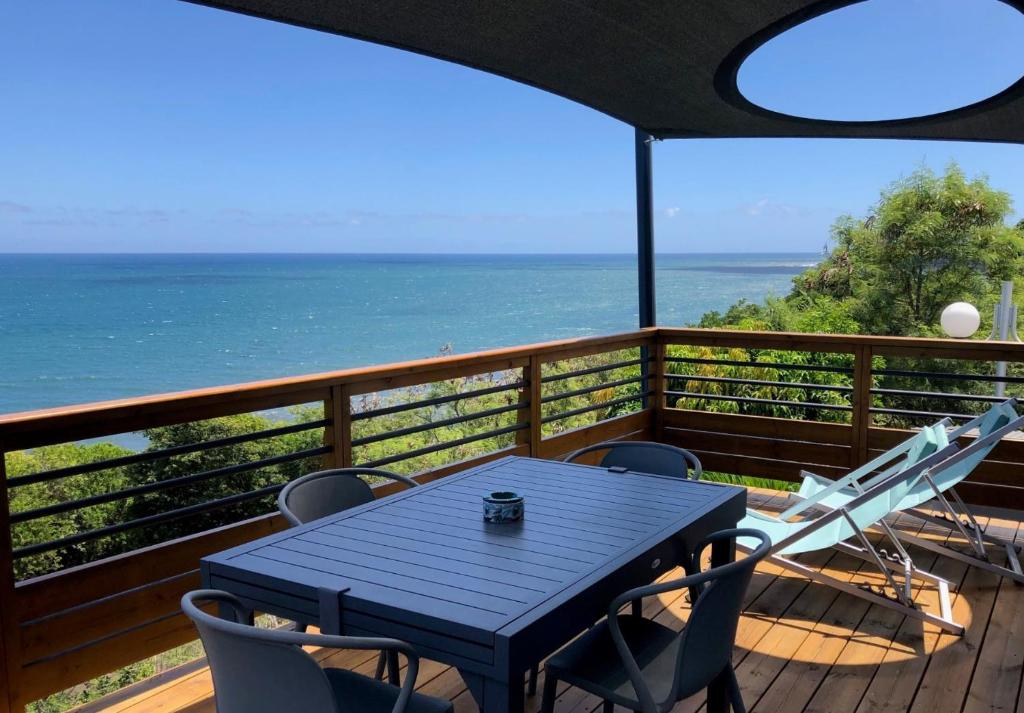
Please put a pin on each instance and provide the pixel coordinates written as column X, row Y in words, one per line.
column 671, row 212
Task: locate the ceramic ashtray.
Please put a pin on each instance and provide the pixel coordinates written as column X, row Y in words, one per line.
column 503, row 506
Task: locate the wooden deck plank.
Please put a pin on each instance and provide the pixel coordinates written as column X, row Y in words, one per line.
column 845, row 678
column 996, row 683
column 895, row 680
column 799, row 683
column 944, row 686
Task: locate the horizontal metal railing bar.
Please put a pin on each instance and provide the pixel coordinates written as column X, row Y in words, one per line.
column 758, row 382
column 762, row 364
column 937, row 415
column 161, row 485
column 591, row 370
column 445, row 445
column 155, row 519
column 595, row 407
column 591, row 389
column 939, row 395
column 147, row 456
column 946, row 375
column 388, row 435
column 437, row 401
column 751, row 400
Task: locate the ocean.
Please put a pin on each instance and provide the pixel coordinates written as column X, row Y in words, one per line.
column 80, row 328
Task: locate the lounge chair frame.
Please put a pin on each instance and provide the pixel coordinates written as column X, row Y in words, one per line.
column 902, row 599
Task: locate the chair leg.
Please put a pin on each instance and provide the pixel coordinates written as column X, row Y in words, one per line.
column 608, row 707
column 547, row 704
column 735, row 697
column 531, row 687
column 382, row 661
column 299, row 627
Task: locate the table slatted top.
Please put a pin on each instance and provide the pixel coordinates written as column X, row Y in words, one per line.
column 427, row 551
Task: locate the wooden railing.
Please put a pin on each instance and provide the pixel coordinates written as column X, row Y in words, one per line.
column 79, row 603
column 69, row 625
column 849, row 427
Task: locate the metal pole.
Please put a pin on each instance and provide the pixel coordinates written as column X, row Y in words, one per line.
column 1005, row 320
column 645, row 247
column 645, row 228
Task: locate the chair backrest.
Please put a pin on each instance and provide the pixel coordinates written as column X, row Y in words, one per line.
column 706, row 645
column 998, row 421
column 329, row 491
column 886, row 498
column 995, row 417
column 645, row 457
column 252, row 674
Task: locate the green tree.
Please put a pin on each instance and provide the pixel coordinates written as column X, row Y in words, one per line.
column 220, row 461
column 931, row 240
column 61, row 490
column 767, row 388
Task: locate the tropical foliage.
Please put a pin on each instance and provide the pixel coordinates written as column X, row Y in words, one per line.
column 930, row 240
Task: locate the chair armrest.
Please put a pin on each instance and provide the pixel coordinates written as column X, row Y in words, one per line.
column 381, row 473
column 803, row 503
column 650, row 590
column 696, row 469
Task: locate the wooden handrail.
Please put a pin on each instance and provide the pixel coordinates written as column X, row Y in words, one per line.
column 21, row 430
column 297, row 388
column 969, row 349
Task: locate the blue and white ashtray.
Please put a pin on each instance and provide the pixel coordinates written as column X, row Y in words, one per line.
column 503, row 507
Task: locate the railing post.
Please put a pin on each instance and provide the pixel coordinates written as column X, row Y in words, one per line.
column 531, row 396
column 657, row 399
column 10, row 665
column 861, row 403
column 338, row 435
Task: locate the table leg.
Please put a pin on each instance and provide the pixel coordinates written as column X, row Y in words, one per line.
column 722, row 552
column 494, row 696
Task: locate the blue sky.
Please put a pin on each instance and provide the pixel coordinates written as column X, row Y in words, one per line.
column 162, row 126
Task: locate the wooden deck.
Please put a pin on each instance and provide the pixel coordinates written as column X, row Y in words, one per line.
column 800, row 647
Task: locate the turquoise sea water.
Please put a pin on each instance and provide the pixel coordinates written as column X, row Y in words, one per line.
column 78, row 328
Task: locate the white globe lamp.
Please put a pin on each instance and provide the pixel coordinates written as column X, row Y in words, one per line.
column 960, row 320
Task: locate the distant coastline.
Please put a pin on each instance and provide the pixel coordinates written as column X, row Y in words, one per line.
column 86, row 327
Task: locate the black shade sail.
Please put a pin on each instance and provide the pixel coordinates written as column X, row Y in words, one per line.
column 665, row 66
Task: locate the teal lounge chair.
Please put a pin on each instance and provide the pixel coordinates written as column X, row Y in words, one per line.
column 834, row 528
column 998, row 421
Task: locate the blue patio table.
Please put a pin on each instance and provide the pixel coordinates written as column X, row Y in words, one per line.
column 490, row 599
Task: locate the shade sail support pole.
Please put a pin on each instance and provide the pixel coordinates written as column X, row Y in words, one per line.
column 645, row 228
column 645, row 248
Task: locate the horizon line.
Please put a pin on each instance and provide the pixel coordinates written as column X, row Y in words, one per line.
column 386, row 254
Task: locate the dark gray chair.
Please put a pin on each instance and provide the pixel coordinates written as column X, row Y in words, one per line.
column 266, row 671
column 648, row 667
column 645, row 457
column 326, row 492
